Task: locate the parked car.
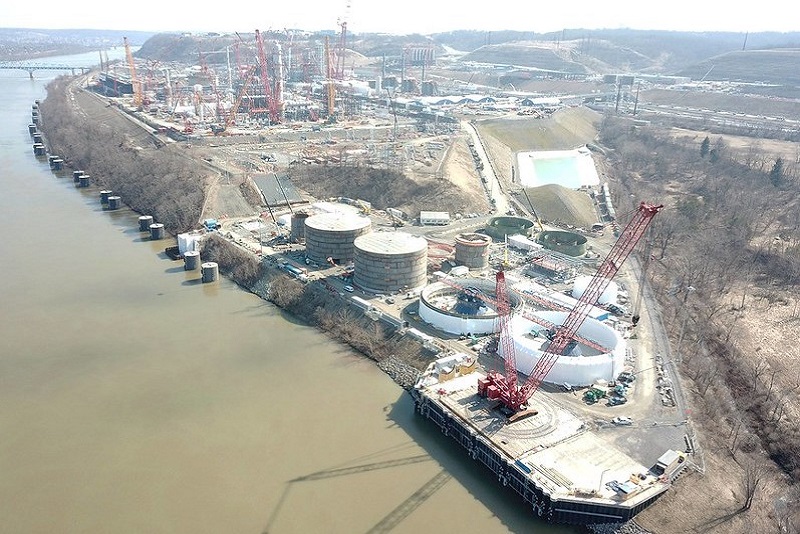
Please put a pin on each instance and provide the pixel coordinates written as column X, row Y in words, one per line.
column 616, row 400
column 349, row 289
column 622, row 421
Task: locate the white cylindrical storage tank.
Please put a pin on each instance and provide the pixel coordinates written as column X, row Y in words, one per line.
column 390, row 261
column 609, row 296
column 331, row 235
column 156, row 231
column 144, row 222
column 585, row 365
column 209, row 271
column 298, row 226
column 191, row 260
column 472, row 250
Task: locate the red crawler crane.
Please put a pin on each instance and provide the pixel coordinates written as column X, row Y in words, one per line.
column 504, row 388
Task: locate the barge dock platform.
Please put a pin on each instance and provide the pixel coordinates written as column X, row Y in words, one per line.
column 563, row 471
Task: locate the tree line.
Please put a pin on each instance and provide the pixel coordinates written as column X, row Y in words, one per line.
column 155, row 181
column 728, row 239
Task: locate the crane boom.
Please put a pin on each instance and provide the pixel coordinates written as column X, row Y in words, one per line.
column 565, row 333
column 506, row 336
column 135, row 83
column 243, row 91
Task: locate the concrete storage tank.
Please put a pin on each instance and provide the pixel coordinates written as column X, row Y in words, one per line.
column 390, row 261
column 298, row 226
column 609, row 296
column 463, row 311
column 331, row 235
column 582, row 366
column 472, row 250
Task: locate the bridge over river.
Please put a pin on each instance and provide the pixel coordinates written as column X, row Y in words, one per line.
column 32, row 67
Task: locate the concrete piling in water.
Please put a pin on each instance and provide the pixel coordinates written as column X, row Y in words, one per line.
column 209, row 271
column 76, row 176
column 104, row 194
column 84, row 181
column 114, row 202
column 191, row 260
column 144, row 223
column 58, row 164
column 31, row 129
column 39, row 150
column 156, row 231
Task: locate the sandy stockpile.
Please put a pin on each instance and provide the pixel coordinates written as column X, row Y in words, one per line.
column 557, row 204
column 565, row 129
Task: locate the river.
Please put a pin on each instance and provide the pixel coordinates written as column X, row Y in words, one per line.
column 135, row 399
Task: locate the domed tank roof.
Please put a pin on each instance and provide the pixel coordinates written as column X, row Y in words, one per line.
column 390, row 243
column 337, row 222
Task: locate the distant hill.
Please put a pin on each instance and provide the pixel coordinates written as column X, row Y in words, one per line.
column 773, row 66
column 769, row 57
column 24, row 43
column 612, row 51
column 541, row 55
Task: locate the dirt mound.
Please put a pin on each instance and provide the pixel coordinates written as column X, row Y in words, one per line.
column 557, row 204
column 383, row 188
column 567, row 128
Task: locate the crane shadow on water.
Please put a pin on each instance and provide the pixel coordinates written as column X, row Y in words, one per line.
column 394, row 517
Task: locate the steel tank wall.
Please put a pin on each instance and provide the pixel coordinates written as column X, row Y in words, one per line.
column 330, row 235
column 568, row 243
column 390, row 261
column 472, row 250
column 500, row 227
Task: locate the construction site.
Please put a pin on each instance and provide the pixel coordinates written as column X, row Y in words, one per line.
column 546, row 365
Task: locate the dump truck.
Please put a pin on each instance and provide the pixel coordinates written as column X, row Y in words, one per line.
column 593, row 395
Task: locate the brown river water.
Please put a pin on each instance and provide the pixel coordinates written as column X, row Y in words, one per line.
column 133, row 398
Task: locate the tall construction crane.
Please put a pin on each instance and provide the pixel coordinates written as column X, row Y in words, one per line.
column 273, row 96
column 504, row 388
column 330, row 87
column 341, row 47
column 218, row 130
column 135, row 83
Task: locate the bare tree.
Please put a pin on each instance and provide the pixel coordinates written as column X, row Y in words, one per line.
column 753, row 472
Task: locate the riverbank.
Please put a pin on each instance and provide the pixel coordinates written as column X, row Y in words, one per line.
column 313, row 304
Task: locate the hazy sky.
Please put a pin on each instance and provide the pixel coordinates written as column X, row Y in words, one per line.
column 406, row 16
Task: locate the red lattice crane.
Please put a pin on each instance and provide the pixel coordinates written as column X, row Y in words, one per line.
column 273, row 104
column 504, row 388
